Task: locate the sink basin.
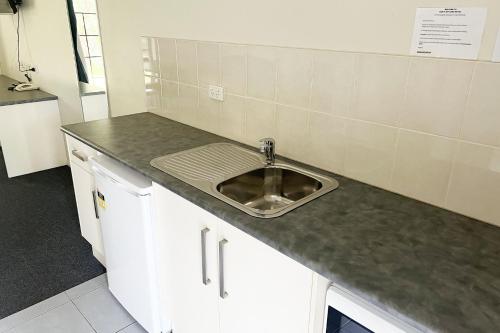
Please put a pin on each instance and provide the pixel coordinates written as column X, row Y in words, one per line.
column 269, row 189
column 241, row 178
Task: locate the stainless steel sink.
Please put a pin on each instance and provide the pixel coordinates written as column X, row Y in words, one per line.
column 243, row 179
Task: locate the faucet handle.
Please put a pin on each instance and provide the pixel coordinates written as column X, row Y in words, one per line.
column 265, row 143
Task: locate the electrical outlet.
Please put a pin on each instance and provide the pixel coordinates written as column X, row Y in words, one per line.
column 216, row 92
column 27, row 67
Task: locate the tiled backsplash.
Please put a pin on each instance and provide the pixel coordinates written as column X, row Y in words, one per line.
column 425, row 128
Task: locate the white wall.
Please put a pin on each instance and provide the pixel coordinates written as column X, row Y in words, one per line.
column 382, row 26
column 46, row 44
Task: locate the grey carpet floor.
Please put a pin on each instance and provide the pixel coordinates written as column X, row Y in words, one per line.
column 41, row 250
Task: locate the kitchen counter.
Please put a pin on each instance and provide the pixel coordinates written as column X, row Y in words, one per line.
column 8, row 97
column 432, row 268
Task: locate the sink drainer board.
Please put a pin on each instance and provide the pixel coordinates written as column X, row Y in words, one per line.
column 241, row 178
column 208, row 163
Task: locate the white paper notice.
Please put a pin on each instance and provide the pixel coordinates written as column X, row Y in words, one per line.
column 448, row 32
column 496, row 53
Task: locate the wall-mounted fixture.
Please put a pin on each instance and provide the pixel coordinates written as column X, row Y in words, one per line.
column 9, row 6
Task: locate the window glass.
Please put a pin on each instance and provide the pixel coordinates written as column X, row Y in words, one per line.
column 83, row 43
column 90, row 40
column 97, row 67
column 91, row 24
column 94, row 43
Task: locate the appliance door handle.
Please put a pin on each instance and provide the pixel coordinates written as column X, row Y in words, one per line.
column 96, row 211
column 82, row 157
column 204, row 279
column 222, row 289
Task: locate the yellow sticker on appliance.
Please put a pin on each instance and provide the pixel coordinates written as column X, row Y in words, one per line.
column 101, row 201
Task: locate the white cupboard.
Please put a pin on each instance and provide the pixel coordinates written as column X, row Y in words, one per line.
column 84, row 186
column 267, row 292
column 189, row 298
column 216, row 278
column 30, row 137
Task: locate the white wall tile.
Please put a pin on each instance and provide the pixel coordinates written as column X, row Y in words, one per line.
column 475, row 183
column 187, row 105
column 423, row 166
column 186, row 61
column 380, row 88
column 342, row 111
column 208, row 55
column 327, row 142
column 232, row 117
column 436, row 96
column 333, row 81
column 150, row 56
column 168, row 59
column 294, row 76
column 260, row 121
column 261, row 72
column 234, row 67
column 170, row 99
column 370, row 152
column 292, row 132
column 153, row 94
column 208, row 112
column 482, row 118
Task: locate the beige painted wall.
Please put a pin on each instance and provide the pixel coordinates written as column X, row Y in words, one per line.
column 383, row 26
column 46, row 44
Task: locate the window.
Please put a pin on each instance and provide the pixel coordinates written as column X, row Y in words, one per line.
column 90, row 40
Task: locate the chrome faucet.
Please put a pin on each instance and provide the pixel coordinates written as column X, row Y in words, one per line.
column 268, row 147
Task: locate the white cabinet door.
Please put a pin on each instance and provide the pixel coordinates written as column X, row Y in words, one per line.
column 31, row 138
column 267, row 292
column 83, row 183
column 191, row 302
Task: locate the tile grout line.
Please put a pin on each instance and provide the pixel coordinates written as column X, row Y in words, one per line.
column 450, row 176
column 331, row 50
column 123, row 328
column 467, row 101
column 36, row 317
column 349, row 118
column 85, row 318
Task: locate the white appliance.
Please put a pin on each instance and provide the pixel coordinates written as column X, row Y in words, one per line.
column 347, row 313
column 124, row 205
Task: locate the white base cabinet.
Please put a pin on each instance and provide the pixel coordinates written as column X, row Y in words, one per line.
column 216, row 278
column 30, row 137
column 84, row 186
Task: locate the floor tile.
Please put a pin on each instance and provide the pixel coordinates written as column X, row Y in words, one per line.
column 32, row 312
column 134, row 328
column 102, row 280
column 103, row 311
column 87, row 287
column 63, row 319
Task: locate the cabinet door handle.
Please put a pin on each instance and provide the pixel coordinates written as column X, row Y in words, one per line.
column 222, row 289
column 96, row 211
column 204, row 277
column 82, row 157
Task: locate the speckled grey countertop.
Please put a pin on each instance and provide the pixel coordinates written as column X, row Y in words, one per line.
column 436, row 270
column 8, row 97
